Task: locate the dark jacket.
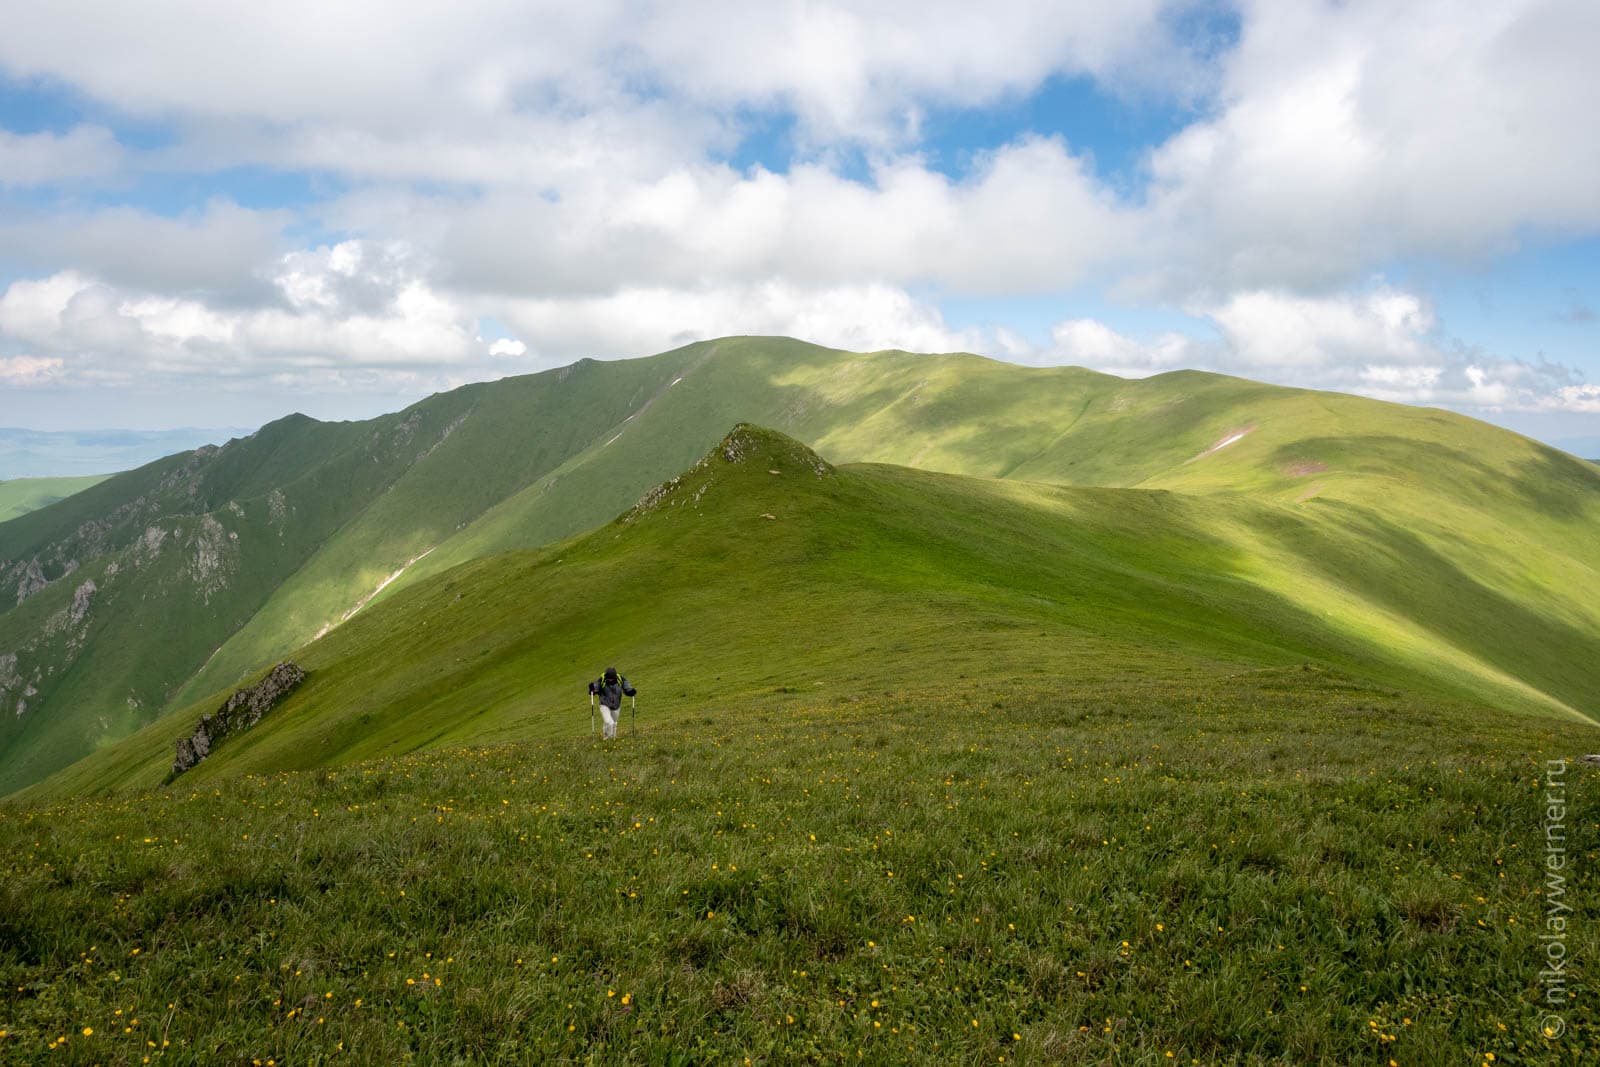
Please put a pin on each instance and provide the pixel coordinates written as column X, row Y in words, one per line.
column 611, row 694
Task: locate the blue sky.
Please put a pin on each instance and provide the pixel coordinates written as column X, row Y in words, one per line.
column 215, row 216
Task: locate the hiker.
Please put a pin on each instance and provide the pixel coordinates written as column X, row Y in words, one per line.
column 610, row 688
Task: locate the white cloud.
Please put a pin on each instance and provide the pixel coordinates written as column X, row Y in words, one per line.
column 40, row 158
column 554, row 166
column 847, row 70
column 31, row 309
column 1028, row 218
column 365, row 312
column 1341, row 136
column 1354, row 133
column 1383, row 342
column 1276, row 329
column 861, row 318
column 353, row 305
column 219, row 247
column 1092, row 343
column 22, row 371
column 854, row 71
column 1584, row 398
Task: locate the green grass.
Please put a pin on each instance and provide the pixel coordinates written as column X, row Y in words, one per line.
column 872, row 571
column 305, row 518
column 1448, row 546
column 940, row 768
column 1279, row 866
column 22, row 495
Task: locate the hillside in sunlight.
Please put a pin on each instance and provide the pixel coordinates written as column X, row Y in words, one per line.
column 1425, row 538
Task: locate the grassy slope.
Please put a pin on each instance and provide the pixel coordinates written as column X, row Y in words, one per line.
column 1277, row 868
column 196, row 541
column 870, row 577
column 1469, row 549
column 309, row 514
column 931, row 769
column 509, row 434
column 964, row 414
column 22, row 495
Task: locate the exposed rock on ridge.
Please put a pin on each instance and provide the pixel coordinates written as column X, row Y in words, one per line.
column 241, row 711
column 745, row 443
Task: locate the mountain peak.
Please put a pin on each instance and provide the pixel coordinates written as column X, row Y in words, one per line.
column 755, row 445
column 749, row 448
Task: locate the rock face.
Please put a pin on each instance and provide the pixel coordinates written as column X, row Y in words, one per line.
column 243, row 710
column 81, row 597
column 32, row 580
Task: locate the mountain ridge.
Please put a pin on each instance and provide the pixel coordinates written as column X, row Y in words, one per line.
column 763, row 574
column 527, row 461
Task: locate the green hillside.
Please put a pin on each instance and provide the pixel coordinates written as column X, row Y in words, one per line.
column 1495, row 516
column 124, row 589
column 1464, row 551
column 204, row 540
column 927, row 768
column 773, row 578
column 22, row 495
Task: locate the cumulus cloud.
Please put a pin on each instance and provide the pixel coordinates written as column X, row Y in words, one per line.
column 867, row 71
column 507, row 346
column 219, row 248
column 351, row 305
column 1277, row 329
column 845, row 70
column 1584, row 398
column 562, row 169
column 1028, row 218
column 1382, row 342
column 862, row 318
column 1092, row 343
column 1349, row 134
column 38, row 158
column 1336, row 136
column 365, row 314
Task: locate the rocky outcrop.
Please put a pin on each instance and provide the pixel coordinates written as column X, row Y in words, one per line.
column 33, row 580
column 81, row 598
column 216, row 556
column 11, row 681
column 241, row 711
column 745, row 443
column 277, row 507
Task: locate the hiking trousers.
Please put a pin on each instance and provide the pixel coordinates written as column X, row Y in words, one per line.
column 608, row 720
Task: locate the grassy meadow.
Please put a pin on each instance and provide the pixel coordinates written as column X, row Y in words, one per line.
column 928, row 769
column 1273, row 866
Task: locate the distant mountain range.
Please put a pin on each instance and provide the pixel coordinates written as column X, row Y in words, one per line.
column 42, row 454
column 1190, row 521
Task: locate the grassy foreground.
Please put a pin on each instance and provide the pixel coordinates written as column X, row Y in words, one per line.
column 1283, row 865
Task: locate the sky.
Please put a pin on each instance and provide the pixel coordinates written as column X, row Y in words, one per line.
column 215, row 214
